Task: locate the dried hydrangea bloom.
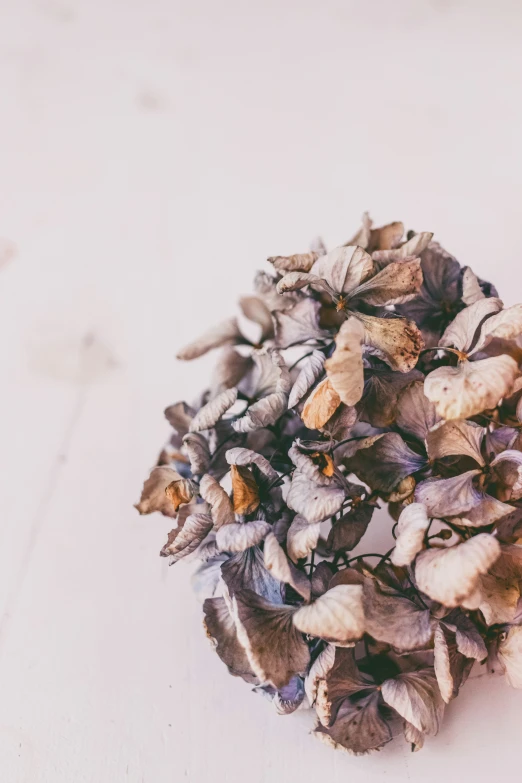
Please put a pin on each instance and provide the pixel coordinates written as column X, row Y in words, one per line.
column 378, row 372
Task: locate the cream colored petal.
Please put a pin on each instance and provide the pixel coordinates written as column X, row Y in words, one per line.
column 320, row 405
column 442, row 664
column 313, row 502
column 283, row 569
column 461, row 438
column 294, row 281
column 311, row 370
column 185, row 540
column 471, row 387
column 450, row 497
column 262, row 413
column 416, row 697
column 336, row 616
column 344, row 268
column 239, row 536
column 256, row 310
column 218, row 500
column 505, row 325
column 212, row 412
column 153, row 496
column 411, row 529
column 344, row 369
column 462, row 330
column 299, row 262
column 450, row 575
column 198, row 452
column 471, row 290
column 318, row 671
column 302, row 538
column 241, row 456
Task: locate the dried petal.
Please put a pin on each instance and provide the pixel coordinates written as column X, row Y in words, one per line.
column 221, row 630
column 198, row 452
column 344, row 268
column 277, row 562
column 245, row 493
column 247, row 570
column 298, row 324
column 385, row 462
column 299, row 262
column 302, row 538
column 218, row 500
column 456, row 438
column 311, row 370
column 415, row 696
column 449, row 497
column 320, row 405
column 256, row 310
column 225, row 332
column 396, row 341
column 461, row 332
column 275, row 648
column 314, row 503
column 396, row 283
column 337, row 616
column 153, row 497
column 411, row 530
column 450, row 575
column 239, row 536
column 415, row 415
column 180, row 416
column 359, row 727
column 510, row 656
column 347, row 531
column 471, row 387
column 345, row 367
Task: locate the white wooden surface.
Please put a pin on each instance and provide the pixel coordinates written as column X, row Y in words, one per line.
column 146, row 147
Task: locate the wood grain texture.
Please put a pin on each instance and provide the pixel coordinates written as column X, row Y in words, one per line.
column 144, row 146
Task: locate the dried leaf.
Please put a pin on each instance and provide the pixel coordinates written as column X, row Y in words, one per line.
column 153, row 497
column 396, row 341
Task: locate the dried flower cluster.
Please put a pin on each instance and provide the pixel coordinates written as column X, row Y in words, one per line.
column 382, row 372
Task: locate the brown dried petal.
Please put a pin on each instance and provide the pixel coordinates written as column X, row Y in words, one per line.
column 180, row 491
column 299, row 262
column 416, row 697
column 396, row 341
column 218, row 500
column 345, row 367
column 153, row 497
column 182, row 541
column 456, row 438
column 359, row 727
column 245, row 495
column 416, row 415
column 320, row 405
column 221, row 630
column 396, row 283
column 239, row 536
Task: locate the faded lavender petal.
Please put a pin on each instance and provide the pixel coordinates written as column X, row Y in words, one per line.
column 313, row 502
column 237, row 537
column 225, row 332
column 212, row 412
column 283, row 569
column 311, row 370
column 198, row 452
column 302, row 538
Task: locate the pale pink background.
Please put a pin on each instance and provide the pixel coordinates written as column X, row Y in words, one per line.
column 152, row 154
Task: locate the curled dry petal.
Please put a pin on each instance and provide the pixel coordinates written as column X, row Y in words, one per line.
column 318, row 671
column 311, row 370
column 320, row 405
column 230, row 369
column 384, row 463
column 180, row 491
column 396, row 283
column 456, row 438
column 450, row 575
column 283, row 569
column 411, row 530
column 302, row 538
column 245, row 493
column 505, row 325
column 153, row 497
column 299, row 262
column 288, row 698
column 225, row 332
column 218, row 500
column 318, row 466
column 416, row 697
column 198, row 452
column 262, row 413
column 396, row 341
column 247, row 570
column 359, row 727
column 275, row 648
column 313, row 502
column 344, row 268
column 239, row 536
column 241, row 456
column 212, row 412
column 294, row 281
column 471, row 290
column 345, row 367
column 221, row 630
column 449, row 497
column 182, row 541
column 461, row 332
column 471, row 387
column 337, row 616
column 392, row 618
column 347, row 531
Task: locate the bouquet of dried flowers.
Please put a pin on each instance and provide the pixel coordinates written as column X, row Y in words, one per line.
column 382, row 372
